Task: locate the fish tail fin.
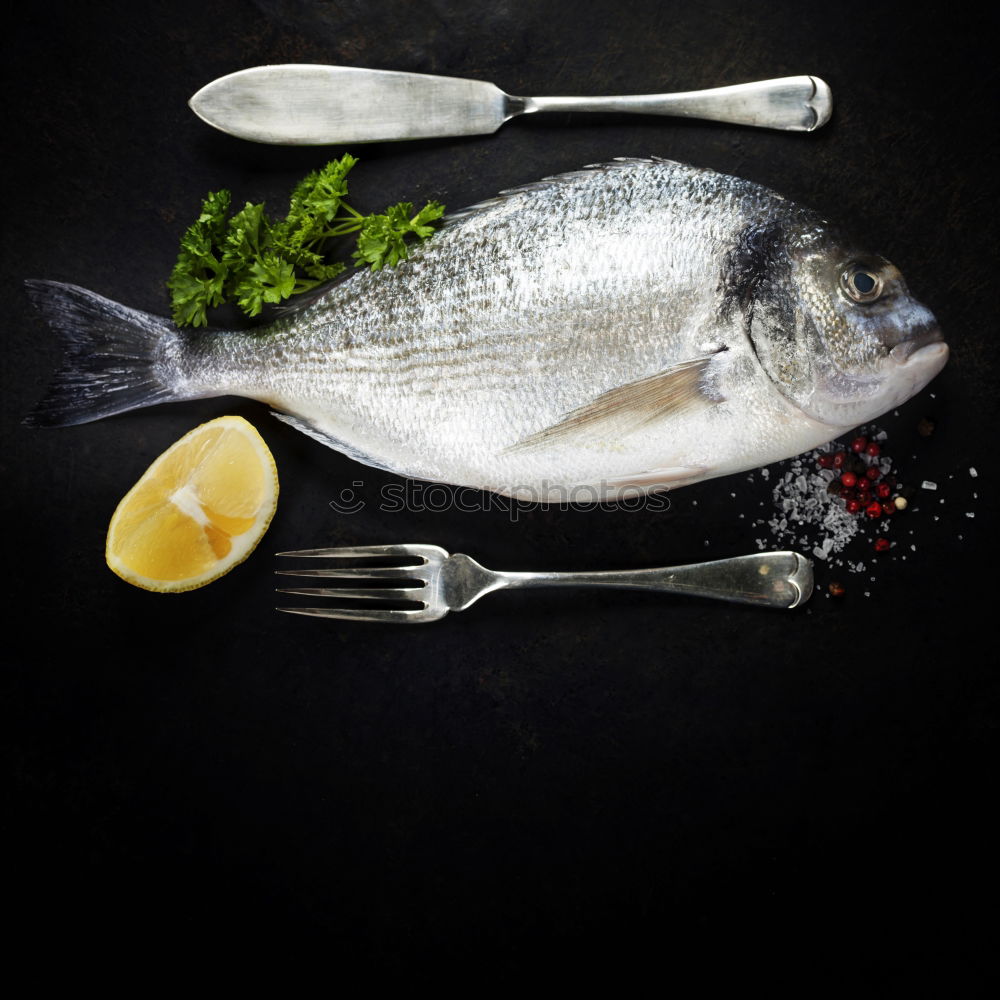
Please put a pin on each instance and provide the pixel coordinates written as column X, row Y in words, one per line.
column 116, row 358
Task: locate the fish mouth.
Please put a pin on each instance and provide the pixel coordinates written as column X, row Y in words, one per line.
column 924, row 346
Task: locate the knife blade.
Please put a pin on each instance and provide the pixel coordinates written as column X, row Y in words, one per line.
column 312, row 105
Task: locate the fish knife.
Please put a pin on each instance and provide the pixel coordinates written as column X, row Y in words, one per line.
column 300, row 104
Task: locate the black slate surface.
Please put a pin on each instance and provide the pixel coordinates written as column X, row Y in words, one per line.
column 541, row 772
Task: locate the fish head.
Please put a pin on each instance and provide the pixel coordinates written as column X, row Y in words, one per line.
column 875, row 344
column 862, row 344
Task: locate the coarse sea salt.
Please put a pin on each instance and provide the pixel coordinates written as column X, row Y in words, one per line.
column 807, row 515
column 810, row 514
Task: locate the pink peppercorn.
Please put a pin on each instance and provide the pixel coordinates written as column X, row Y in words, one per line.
column 849, row 479
column 859, row 444
column 873, row 449
column 881, row 544
column 874, row 509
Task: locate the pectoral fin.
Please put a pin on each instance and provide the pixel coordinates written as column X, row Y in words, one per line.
column 675, row 390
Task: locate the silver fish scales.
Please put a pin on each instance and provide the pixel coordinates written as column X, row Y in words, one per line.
column 633, row 326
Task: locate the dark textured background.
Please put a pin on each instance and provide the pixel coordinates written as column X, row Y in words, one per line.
column 542, row 771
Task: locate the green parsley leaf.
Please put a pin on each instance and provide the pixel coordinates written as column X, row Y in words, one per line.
column 269, row 279
column 251, row 260
column 198, row 278
column 381, row 240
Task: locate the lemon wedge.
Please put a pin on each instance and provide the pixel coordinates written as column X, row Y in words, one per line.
column 197, row 511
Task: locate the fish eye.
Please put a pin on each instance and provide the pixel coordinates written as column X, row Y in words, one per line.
column 861, row 285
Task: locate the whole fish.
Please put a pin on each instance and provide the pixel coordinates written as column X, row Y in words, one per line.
column 629, row 327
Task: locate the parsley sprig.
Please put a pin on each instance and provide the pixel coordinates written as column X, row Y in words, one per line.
column 251, row 260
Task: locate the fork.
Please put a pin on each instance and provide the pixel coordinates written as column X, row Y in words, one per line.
column 440, row 582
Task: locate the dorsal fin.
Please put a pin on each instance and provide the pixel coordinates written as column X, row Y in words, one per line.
column 547, row 184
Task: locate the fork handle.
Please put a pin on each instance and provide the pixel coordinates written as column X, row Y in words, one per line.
column 793, row 103
column 770, row 579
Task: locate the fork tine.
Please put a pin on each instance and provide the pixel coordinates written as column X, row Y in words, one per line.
column 365, row 593
column 358, row 572
column 354, row 551
column 358, row 614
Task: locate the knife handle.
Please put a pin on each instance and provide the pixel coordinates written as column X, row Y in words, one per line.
column 791, row 103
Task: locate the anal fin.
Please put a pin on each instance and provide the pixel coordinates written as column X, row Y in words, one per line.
column 332, row 442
